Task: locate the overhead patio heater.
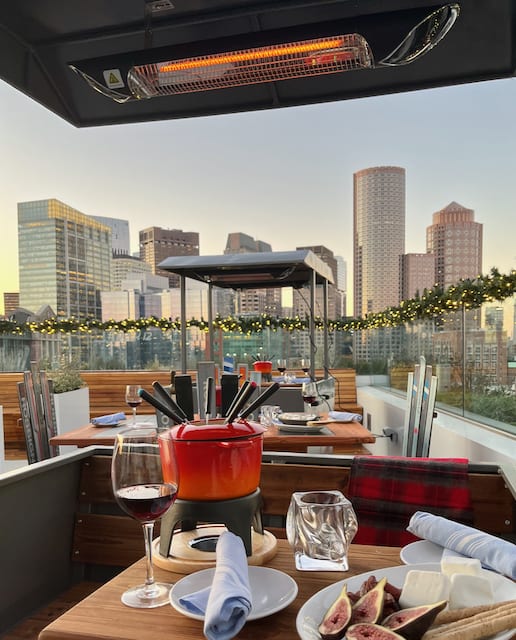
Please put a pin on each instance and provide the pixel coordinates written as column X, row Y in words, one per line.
column 373, row 42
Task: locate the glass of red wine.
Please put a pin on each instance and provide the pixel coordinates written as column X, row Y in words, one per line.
column 309, row 393
column 133, row 399
column 305, row 365
column 282, row 367
column 144, row 477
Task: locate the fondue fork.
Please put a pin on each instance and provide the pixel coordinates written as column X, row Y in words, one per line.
column 259, row 400
column 157, row 404
column 243, row 398
column 165, row 397
column 236, row 399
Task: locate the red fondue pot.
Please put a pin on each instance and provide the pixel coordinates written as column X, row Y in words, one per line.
column 218, row 461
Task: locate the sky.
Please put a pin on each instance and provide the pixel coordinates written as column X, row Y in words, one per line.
column 282, row 176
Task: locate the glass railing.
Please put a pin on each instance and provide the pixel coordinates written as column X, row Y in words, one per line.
column 470, row 352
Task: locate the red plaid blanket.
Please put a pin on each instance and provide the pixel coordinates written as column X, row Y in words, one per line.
column 385, row 493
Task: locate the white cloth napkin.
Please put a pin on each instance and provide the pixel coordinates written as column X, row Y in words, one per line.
column 112, row 418
column 227, row 603
column 345, row 416
column 494, row 553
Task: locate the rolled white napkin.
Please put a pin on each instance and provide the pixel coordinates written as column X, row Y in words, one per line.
column 345, row 416
column 494, row 553
column 226, row 604
column 112, row 418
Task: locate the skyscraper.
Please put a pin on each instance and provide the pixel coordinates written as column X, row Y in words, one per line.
column 455, row 239
column 64, row 259
column 156, row 244
column 252, row 301
column 378, row 237
column 120, row 239
column 417, row 273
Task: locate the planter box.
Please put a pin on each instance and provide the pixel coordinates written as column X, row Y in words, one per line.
column 72, row 411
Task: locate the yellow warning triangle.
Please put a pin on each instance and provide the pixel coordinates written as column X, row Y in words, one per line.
column 113, row 78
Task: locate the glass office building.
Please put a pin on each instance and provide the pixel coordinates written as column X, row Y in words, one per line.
column 64, row 259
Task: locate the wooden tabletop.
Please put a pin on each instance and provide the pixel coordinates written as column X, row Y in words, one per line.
column 101, row 616
column 343, row 437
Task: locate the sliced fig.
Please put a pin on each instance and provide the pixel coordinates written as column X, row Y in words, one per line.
column 369, row 631
column 337, row 618
column 413, row 622
column 370, row 606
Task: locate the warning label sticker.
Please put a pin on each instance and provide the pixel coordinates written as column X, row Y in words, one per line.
column 113, row 79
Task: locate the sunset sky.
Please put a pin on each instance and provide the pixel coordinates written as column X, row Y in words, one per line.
column 283, row 176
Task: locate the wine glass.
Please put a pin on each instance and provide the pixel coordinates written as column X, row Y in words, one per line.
column 305, row 365
column 309, row 393
column 282, row 367
column 145, row 482
column 133, row 399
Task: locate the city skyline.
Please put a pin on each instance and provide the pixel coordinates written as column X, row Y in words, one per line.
column 282, row 176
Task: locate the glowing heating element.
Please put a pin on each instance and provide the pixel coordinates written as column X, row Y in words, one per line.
column 250, row 66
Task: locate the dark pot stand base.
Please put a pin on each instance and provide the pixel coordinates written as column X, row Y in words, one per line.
column 239, row 515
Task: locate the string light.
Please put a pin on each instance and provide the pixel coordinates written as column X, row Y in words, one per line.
column 435, row 302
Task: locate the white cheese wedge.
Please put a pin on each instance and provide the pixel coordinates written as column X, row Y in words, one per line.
column 469, row 591
column 459, row 564
column 424, row 587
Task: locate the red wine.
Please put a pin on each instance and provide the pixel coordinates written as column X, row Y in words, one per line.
column 309, row 399
column 147, row 502
column 305, row 369
column 134, row 403
column 282, row 369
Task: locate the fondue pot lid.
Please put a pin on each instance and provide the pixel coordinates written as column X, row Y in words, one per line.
column 214, row 431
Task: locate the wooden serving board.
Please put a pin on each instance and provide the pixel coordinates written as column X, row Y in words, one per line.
column 184, row 559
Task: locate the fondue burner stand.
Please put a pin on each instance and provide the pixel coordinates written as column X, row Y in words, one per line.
column 237, row 514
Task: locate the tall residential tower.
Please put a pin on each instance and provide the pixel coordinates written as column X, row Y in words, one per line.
column 378, row 237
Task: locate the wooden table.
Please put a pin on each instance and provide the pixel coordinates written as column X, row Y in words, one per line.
column 101, row 616
column 343, row 437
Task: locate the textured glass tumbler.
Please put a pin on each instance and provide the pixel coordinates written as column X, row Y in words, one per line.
column 320, row 528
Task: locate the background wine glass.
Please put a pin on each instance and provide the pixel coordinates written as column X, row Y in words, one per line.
column 138, row 477
column 282, row 367
column 133, row 398
column 305, row 365
column 309, row 393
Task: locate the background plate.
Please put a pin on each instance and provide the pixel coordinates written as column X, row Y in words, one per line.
column 421, row 551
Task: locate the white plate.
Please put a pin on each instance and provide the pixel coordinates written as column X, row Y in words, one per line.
column 296, row 418
column 421, row 551
column 271, row 590
column 312, row 612
column 299, row 428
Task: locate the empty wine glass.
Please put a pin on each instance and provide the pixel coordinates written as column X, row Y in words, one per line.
column 144, row 477
column 133, row 399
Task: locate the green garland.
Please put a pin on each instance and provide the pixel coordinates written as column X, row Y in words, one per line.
column 467, row 294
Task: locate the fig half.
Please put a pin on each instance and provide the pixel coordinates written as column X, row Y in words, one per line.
column 368, row 631
column 337, row 618
column 413, row 622
column 370, row 606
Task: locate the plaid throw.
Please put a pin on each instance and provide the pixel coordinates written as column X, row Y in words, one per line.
column 385, row 493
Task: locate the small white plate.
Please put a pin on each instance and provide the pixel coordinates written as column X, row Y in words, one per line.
column 299, row 428
column 421, row 551
column 271, row 590
column 296, row 418
column 312, row 612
